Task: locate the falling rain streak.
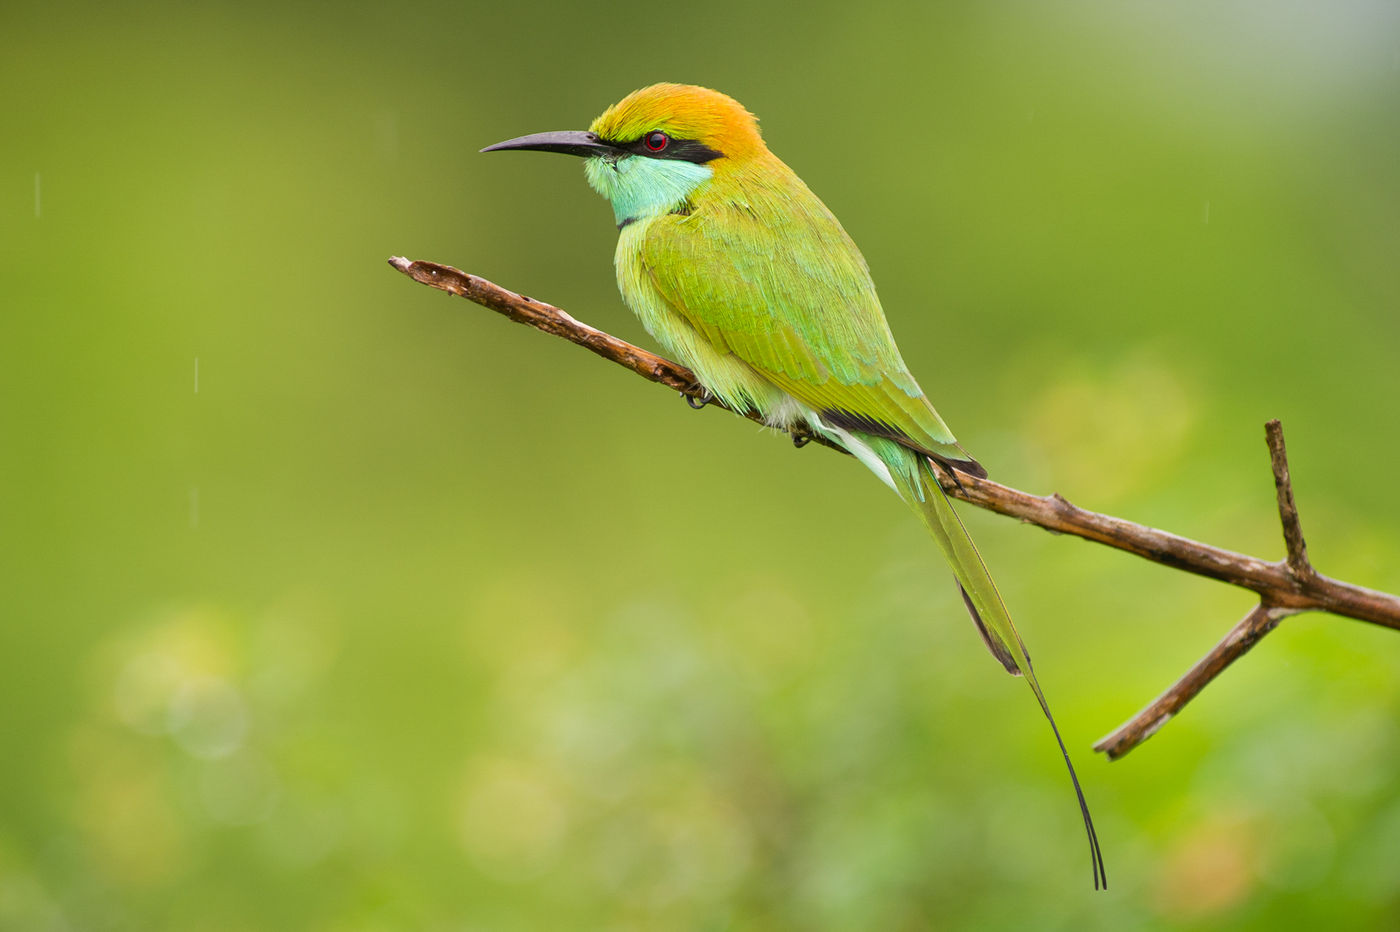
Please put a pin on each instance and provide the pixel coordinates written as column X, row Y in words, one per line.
column 193, row 491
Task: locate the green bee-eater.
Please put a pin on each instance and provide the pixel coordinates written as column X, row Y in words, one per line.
column 738, row 270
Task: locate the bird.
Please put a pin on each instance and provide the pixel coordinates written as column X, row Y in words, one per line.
column 740, row 272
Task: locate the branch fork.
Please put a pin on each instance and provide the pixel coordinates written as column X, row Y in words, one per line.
column 1261, row 619
column 1284, row 588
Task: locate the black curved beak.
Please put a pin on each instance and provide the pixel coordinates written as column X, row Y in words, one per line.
column 569, row 142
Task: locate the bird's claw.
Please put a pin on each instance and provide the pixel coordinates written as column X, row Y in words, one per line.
column 800, row 438
column 700, row 402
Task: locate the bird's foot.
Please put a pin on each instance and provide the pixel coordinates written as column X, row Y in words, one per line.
column 698, row 402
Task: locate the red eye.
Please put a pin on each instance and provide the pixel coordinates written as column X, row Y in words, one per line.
column 657, row 141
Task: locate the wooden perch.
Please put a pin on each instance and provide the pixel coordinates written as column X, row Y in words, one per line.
column 1284, row 588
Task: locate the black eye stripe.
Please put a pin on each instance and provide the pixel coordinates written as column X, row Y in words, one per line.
column 683, row 150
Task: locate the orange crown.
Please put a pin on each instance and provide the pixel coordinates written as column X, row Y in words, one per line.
column 683, row 111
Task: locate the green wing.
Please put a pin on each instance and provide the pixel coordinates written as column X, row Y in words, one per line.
column 769, row 275
column 763, row 271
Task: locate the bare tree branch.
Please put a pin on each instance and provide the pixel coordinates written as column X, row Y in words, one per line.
column 1293, row 541
column 1286, row 587
column 1261, row 619
column 1300, row 580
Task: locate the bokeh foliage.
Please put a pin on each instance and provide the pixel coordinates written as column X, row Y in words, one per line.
column 409, row 618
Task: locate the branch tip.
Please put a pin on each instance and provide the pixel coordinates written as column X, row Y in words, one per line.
column 1261, row 619
column 1294, row 544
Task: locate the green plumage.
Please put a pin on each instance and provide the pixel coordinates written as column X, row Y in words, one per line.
column 742, row 274
column 759, row 269
column 758, row 288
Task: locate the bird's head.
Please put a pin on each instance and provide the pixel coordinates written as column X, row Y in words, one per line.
column 651, row 151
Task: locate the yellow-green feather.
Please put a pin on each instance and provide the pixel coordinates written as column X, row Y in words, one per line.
column 762, row 270
column 744, row 275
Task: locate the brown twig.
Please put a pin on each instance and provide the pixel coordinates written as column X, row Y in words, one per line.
column 559, row 323
column 1293, row 542
column 1285, row 588
column 1274, row 605
column 1261, row 619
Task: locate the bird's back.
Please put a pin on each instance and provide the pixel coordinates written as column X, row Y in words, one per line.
column 754, row 266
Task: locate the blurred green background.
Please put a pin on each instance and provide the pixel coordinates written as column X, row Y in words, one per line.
column 410, row 618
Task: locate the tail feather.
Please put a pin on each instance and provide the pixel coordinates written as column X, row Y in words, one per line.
column 996, row 647
column 989, row 614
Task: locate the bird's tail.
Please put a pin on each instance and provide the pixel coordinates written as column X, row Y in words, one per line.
column 917, row 484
